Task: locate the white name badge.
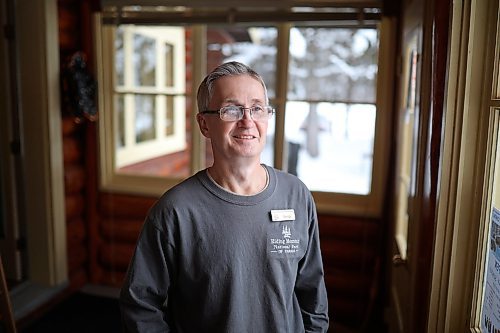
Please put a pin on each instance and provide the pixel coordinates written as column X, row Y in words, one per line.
column 278, row 215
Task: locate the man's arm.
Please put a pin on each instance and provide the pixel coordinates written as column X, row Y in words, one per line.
column 144, row 294
column 310, row 287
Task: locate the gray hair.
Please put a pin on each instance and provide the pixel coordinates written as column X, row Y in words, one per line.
column 233, row 68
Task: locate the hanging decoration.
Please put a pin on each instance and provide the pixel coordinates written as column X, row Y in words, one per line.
column 79, row 88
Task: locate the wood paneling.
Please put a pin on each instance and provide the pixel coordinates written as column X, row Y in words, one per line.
column 351, row 249
column 75, row 178
column 74, row 185
column 125, row 231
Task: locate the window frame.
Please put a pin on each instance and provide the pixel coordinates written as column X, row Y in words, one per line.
column 109, row 180
column 161, row 144
column 370, row 205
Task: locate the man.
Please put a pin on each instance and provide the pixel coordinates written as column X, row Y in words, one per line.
column 234, row 248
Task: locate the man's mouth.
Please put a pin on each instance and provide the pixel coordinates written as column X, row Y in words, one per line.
column 244, row 137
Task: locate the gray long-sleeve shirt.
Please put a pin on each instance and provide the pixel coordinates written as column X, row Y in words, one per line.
column 208, row 260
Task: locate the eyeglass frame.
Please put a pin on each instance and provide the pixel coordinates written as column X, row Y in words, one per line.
column 270, row 112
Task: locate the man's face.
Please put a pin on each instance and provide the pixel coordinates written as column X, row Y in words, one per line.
column 243, row 139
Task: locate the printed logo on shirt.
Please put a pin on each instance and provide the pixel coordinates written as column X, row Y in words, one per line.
column 286, row 232
column 283, row 243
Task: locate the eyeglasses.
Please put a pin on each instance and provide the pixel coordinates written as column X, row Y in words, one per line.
column 236, row 112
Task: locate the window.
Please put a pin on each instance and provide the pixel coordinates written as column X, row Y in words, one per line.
column 331, row 126
column 148, row 95
column 331, row 107
column 255, row 46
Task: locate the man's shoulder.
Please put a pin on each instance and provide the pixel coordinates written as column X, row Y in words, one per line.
column 182, row 193
column 186, row 185
column 285, row 177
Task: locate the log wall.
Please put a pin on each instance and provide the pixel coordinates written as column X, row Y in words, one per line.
column 75, row 175
column 101, row 238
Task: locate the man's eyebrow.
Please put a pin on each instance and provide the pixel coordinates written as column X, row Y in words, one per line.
column 235, row 101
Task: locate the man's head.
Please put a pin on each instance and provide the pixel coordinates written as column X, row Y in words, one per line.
column 206, row 88
column 233, row 113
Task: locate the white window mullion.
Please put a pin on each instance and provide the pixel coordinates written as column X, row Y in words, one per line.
column 128, row 51
column 160, row 85
column 160, row 64
column 129, row 114
column 179, row 120
column 161, row 119
column 129, row 107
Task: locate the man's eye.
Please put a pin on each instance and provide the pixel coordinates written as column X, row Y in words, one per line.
column 232, row 110
column 258, row 108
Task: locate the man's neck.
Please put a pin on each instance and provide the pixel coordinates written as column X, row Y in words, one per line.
column 242, row 181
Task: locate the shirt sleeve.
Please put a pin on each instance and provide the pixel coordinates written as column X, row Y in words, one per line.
column 144, row 293
column 310, row 287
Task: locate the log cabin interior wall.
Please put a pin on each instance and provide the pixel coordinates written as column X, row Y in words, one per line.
column 102, row 227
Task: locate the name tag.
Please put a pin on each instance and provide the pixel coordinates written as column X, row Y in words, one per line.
column 278, row 215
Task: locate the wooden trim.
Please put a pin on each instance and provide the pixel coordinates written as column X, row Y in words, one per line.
column 198, row 68
column 251, row 4
column 460, row 207
column 370, row 205
column 40, row 101
column 281, row 94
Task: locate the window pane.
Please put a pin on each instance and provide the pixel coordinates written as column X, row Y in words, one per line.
column 119, row 57
column 330, row 113
column 144, row 60
column 330, row 145
column 120, row 115
column 151, row 114
column 144, row 118
column 169, row 116
column 331, row 64
column 255, row 47
column 169, row 64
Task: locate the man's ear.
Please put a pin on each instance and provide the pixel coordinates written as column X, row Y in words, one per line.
column 202, row 123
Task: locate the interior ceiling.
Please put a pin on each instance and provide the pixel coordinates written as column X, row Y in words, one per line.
column 246, row 3
column 361, row 13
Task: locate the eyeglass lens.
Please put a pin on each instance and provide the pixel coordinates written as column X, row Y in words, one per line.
column 232, row 113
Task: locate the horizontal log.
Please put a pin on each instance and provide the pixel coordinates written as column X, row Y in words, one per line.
column 112, row 278
column 124, row 206
column 75, row 206
column 346, row 309
column 71, row 127
column 115, row 256
column 121, row 230
column 72, row 150
column 76, row 231
column 338, row 254
column 77, row 256
column 68, row 26
column 349, row 283
column 348, row 228
column 74, row 178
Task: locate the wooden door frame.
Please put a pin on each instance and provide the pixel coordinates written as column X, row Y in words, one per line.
column 37, row 55
column 457, row 245
column 432, row 16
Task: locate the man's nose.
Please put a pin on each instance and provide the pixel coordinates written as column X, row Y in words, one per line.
column 247, row 114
